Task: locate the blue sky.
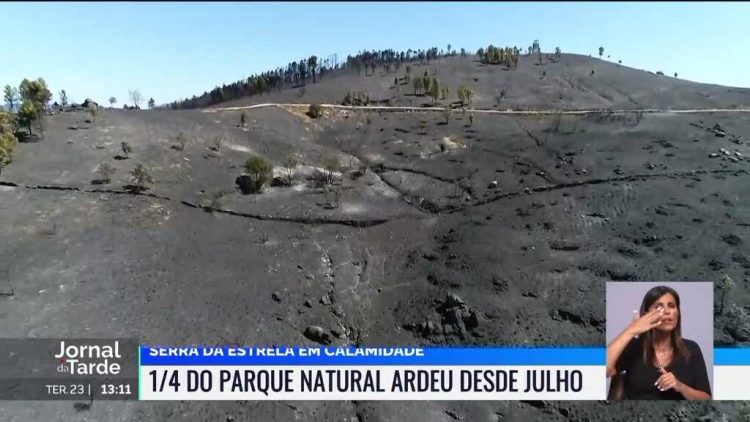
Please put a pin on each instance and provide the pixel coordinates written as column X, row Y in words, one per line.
column 174, row 50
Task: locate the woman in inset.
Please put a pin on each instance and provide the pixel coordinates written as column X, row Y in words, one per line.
column 651, row 361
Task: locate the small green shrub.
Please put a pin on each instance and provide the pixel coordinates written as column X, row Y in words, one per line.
column 8, row 144
column 331, row 164
column 260, row 169
column 126, row 148
column 27, row 115
column 6, row 118
column 141, row 177
column 290, row 165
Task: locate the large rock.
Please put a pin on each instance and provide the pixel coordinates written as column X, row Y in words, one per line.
column 246, row 183
column 452, row 300
column 457, row 318
column 88, row 103
column 318, row 335
column 278, row 182
column 448, row 144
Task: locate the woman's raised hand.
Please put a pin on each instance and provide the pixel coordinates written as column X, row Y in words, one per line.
column 640, row 325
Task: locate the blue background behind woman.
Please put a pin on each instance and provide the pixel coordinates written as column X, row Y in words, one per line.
column 650, row 360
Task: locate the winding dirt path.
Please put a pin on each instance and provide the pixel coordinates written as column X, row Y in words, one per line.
column 488, row 111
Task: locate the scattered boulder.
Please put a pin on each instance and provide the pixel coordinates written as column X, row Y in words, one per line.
column 426, row 328
column 452, row 300
column 276, row 296
column 713, row 155
column 492, row 185
column 88, row 103
column 278, row 182
column 447, row 144
column 318, row 335
column 246, row 183
column 571, row 316
column 325, row 300
column 718, row 131
column 457, row 317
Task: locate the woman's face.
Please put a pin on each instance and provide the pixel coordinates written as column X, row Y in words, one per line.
column 670, row 314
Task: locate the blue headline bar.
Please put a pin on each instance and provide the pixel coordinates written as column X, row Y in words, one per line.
column 573, row 356
column 732, row 356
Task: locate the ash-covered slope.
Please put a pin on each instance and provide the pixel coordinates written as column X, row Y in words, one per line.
column 566, row 84
column 490, row 230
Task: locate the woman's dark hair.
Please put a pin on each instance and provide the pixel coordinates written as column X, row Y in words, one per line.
column 680, row 351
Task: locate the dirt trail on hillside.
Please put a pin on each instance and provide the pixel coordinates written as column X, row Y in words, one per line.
column 488, row 111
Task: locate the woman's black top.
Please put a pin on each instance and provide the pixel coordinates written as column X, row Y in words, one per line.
column 640, row 377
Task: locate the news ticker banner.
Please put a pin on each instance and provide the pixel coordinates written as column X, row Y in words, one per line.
column 120, row 369
column 336, row 373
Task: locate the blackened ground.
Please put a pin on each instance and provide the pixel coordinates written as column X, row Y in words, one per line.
column 502, row 231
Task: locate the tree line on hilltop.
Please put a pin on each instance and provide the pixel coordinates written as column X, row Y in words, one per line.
column 299, row 73
column 309, row 70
